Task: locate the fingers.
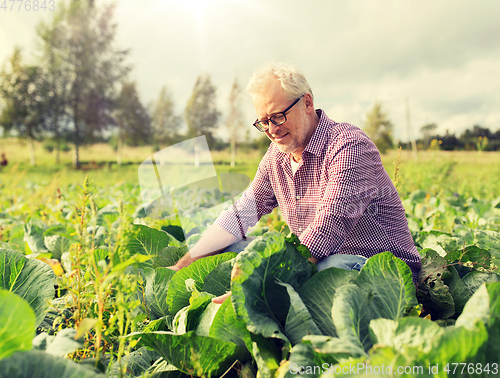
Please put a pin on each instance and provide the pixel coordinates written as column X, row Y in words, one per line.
column 221, row 298
column 173, row 267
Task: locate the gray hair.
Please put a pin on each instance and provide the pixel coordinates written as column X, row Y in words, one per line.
column 291, row 79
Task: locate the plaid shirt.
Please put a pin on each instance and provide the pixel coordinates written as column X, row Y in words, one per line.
column 340, row 199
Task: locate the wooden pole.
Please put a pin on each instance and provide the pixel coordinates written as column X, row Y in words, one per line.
column 410, row 133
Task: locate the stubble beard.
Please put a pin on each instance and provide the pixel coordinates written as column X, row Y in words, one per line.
column 294, row 143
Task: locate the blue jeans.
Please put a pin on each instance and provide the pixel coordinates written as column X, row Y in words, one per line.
column 347, row 262
column 240, row 245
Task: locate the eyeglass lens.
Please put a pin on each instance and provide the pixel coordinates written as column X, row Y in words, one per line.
column 277, row 119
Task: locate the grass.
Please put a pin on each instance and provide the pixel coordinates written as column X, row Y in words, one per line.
column 464, row 172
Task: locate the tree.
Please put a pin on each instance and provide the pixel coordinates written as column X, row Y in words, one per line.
column 165, row 122
column 379, row 128
column 201, row 112
column 234, row 119
column 81, row 38
column 477, row 138
column 132, row 119
column 23, row 90
column 427, row 132
column 57, row 80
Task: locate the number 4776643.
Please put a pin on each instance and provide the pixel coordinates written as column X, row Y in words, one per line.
column 28, row 5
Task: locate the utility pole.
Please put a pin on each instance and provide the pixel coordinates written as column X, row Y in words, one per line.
column 410, row 133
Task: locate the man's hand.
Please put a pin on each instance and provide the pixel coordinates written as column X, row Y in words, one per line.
column 213, row 240
column 183, row 262
column 222, row 298
column 313, row 259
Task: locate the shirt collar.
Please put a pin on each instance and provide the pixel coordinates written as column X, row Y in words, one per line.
column 316, row 143
column 320, row 135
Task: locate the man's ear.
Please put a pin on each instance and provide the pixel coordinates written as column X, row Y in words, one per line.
column 308, row 101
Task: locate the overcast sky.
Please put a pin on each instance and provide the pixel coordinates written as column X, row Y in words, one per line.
column 441, row 55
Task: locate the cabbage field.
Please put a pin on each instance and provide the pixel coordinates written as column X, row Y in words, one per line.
column 85, row 292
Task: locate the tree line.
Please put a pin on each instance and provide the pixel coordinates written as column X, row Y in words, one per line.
column 477, row 138
column 78, row 91
column 380, row 129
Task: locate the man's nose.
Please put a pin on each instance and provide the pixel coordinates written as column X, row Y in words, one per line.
column 273, row 129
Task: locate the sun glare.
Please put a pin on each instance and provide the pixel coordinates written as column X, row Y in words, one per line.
column 197, row 8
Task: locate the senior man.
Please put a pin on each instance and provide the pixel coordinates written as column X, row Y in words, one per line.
column 326, row 177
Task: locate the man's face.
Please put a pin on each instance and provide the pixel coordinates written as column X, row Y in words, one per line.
column 294, row 134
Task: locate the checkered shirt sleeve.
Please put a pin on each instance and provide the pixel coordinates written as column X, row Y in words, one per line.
column 256, row 201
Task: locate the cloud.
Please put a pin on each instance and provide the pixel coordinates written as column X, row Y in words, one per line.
column 441, row 55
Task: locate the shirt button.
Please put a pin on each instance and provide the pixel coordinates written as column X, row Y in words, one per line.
column 298, row 197
column 300, row 229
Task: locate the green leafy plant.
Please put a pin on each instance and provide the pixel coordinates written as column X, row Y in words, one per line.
column 115, row 309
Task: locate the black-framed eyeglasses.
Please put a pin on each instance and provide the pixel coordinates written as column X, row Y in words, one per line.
column 277, row 118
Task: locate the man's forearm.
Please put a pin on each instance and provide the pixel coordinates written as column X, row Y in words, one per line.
column 214, row 240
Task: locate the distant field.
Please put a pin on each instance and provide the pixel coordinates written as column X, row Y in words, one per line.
column 98, row 161
column 464, row 172
column 17, row 152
